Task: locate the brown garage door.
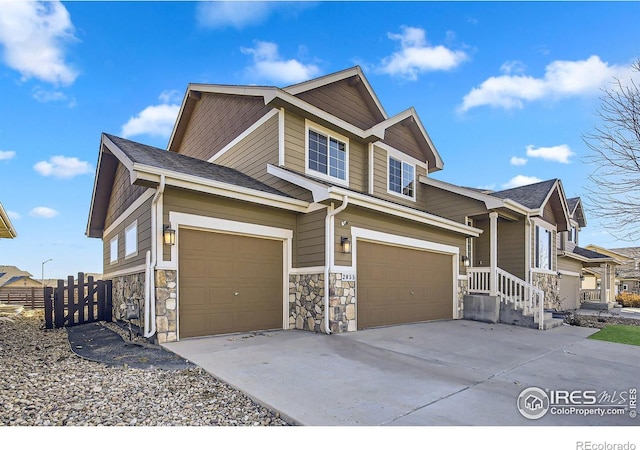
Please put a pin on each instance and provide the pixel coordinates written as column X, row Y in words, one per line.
column 569, row 292
column 228, row 283
column 399, row 285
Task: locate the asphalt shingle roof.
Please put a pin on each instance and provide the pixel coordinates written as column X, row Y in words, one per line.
column 532, row 195
column 585, row 253
column 175, row 162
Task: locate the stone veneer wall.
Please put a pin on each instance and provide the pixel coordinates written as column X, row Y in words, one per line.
column 166, row 306
column 342, row 304
column 306, row 292
column 549, row 285
column 124, row 287
column 463, row 284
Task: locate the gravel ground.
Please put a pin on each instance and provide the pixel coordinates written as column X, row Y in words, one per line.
column 43, row 383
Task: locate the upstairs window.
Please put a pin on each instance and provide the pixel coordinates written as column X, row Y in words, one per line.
column 327, row 155
column 402, row 177
column 131, row 240
column 113, row 250
column 543, row 248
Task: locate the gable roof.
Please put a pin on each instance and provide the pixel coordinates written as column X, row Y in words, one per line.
column 631, row 268
column 6, row 227
column 536, row 196
column 287, row 98
column 9, row 274
column 576, row 211
column 148, row 165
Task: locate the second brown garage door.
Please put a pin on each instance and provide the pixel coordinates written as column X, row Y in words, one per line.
column 228, row 283
column 400, row 285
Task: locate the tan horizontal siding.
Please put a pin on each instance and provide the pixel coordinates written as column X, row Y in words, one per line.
column 400, row 137
column 123, row 194
column 511, row 247
column 452, row 206
column 310, row 239
column 294, row 142
column 570, row 265
column 216, row 120
column 371, row 220
column 143, row 215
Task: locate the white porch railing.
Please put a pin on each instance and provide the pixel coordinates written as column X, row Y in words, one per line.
column 590, row 295
column 510, row 289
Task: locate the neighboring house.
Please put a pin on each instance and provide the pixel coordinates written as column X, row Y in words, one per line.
column 6, row 228
column 604, row 287
column 11, row 276
column 628, row 273
column 294, row 208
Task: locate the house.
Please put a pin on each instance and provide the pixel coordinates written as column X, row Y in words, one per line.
column 620, row 272
column 269, row 198
column 12, row 277
column 628, row 273
column 6, row 228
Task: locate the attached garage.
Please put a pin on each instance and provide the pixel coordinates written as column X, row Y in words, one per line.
column 397, row 285
column 569, row 292
column 228, row 283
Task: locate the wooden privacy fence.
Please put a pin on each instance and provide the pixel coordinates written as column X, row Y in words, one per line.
column 29, row 297
column 77, row 303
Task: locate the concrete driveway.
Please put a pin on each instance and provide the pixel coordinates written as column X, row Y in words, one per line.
column 437, row 373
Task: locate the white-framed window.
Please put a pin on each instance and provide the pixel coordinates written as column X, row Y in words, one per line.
column 402, row 178
column 327, row 154
column 543, row 248
column 113, row 250
column 131, row 240
column 573, row 235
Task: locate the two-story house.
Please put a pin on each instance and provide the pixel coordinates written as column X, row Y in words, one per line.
column 290, row 208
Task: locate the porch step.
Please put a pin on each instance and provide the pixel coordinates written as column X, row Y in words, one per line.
column 552, row 323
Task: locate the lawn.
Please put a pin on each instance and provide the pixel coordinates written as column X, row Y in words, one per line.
column 623, row 334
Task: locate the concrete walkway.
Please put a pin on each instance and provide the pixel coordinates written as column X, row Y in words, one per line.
column 437, row 373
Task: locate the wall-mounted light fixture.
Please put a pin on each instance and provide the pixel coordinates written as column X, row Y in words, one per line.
column 169, row 235
column 346, row 244
column 559, row 276
column 581, row 277
column 466, row 261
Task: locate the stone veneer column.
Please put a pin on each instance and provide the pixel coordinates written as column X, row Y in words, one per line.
column 549, row 285
column 166, row 306
column 463, row 284
column 128, row 287
column 342, row 304
column 306, row 292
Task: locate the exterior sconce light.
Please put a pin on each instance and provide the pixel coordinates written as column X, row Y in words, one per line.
column 169, row 235
column 559, row 276
column 466, row 261
column 581, row 277
column 346, row 244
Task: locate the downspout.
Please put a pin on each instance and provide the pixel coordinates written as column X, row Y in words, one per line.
column 328, row 255
column 152, row 257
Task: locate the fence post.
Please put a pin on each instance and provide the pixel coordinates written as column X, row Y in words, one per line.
column 33, row 297
column 80, row 297
column 109, row 302
column 58, row 306
column 48, row 307
column 71, row 308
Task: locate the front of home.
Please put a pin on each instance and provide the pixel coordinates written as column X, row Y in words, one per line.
column 309, row 208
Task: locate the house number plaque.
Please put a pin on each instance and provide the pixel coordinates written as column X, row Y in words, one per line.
column 348, row 277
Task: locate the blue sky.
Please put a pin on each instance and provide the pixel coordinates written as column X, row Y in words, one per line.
column 506, row 90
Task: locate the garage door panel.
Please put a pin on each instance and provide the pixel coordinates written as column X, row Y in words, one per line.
column 228, row 283
column 400, row 285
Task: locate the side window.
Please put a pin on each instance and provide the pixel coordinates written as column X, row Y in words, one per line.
column 543, row 248
column 113, row 250
column 402, row 177
column 131, row 240
column 327, row 154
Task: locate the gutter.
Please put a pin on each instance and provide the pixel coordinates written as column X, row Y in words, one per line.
column 151, row 261
column 328, row 255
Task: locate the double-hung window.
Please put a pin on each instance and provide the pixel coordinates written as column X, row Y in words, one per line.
column 402, row 177
column 543, row 248
column 327, row 155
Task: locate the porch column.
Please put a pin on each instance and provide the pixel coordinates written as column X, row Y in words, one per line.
column 493, row 252
column 604, row 282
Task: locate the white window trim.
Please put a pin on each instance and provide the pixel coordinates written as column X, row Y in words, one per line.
column 133, row 224
column 113, row 260
column 415, row 177
column 310, row 126
column 551, row 229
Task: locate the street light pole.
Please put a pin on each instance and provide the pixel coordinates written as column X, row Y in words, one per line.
column 42, row 278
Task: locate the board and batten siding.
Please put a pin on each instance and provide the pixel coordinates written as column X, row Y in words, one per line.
column 356, row 216
column 216, row 120
column 344, row 100
column 143, row 215
column 123, row 194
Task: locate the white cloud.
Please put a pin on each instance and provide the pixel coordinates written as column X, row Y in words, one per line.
column 268, row 64
column 34, row 35
column 13, row 215
column 46, row 96
column 561, row 79
column 417, row 56
column 517, row 161
column 43, row 212
column 7, row 154
column 558, row 153
column 62, row 167
column 520, row 180
column 155, row 120
column 235, row 14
